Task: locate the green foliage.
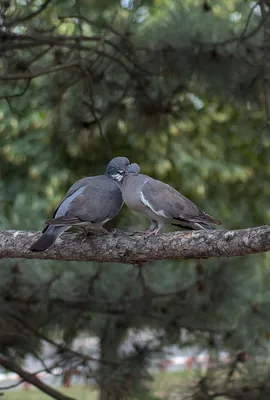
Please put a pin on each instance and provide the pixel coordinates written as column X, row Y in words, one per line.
column 163, row 84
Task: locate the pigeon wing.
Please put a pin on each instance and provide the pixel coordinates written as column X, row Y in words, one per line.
column 165, row 201
column 95, row 203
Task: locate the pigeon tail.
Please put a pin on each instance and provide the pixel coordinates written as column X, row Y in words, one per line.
column 211, row 219
column 204, row 226
column 195, row 226
column 45, row 229
column 48, row 238
column 203, row 220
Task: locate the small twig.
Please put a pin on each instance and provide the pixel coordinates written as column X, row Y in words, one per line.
column 91, row 106
column 242, row 37
column 11, row 365
column 62, row 347
column 12, row 386
column 36, row 74
column 17, row 94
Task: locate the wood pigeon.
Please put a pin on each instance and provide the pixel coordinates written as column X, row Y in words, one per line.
column 89, row 203
column 161, row 203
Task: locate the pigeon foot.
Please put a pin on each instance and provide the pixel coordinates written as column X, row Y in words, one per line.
column 152, row 232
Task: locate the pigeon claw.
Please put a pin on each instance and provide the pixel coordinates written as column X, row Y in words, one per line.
column 153, row 232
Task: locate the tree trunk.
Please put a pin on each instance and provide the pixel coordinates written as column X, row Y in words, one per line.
column 111, row 381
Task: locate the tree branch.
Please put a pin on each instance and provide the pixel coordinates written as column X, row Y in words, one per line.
column 131, row 248
column 61, row 347
column 36, row 74
column 29, row 377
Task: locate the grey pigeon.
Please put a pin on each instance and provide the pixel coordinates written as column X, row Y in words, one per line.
column 89, row 203
column 161, row 203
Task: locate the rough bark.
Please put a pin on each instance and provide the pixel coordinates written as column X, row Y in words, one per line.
column 121, row 247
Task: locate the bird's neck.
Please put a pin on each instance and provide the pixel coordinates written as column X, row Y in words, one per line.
column 116, row 177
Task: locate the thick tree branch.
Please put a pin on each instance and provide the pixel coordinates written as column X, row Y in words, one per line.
column 29, row 377
column 134, row 248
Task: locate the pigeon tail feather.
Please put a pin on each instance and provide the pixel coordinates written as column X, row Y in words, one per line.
column 203, row 219
column 205, row 226
column 195, row 226
column 48, row 238
column 211, row 219
column 60, row 221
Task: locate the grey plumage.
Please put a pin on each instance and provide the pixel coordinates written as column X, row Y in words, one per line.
column 89, row 203
column 161, row 203
column 48, row 238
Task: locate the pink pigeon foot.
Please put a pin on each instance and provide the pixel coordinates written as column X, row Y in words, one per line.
column 152, row 232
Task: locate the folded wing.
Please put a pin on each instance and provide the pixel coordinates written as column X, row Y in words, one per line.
column 167, row 202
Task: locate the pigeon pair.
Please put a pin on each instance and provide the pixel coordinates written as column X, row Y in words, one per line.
column 93, row 201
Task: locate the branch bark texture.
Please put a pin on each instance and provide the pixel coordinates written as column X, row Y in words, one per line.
column 129, row 248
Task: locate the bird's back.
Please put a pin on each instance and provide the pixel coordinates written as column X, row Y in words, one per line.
column 174, row 204
column 98, row 197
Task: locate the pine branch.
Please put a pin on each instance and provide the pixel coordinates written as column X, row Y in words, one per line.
column 128, row 248
column 29, row 377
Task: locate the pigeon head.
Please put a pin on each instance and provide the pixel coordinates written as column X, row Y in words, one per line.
column 118, row 167
column 133, row 169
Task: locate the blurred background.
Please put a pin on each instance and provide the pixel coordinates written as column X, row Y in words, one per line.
column 181, row 88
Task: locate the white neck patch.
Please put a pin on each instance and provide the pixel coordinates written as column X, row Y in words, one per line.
column 117, row 177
